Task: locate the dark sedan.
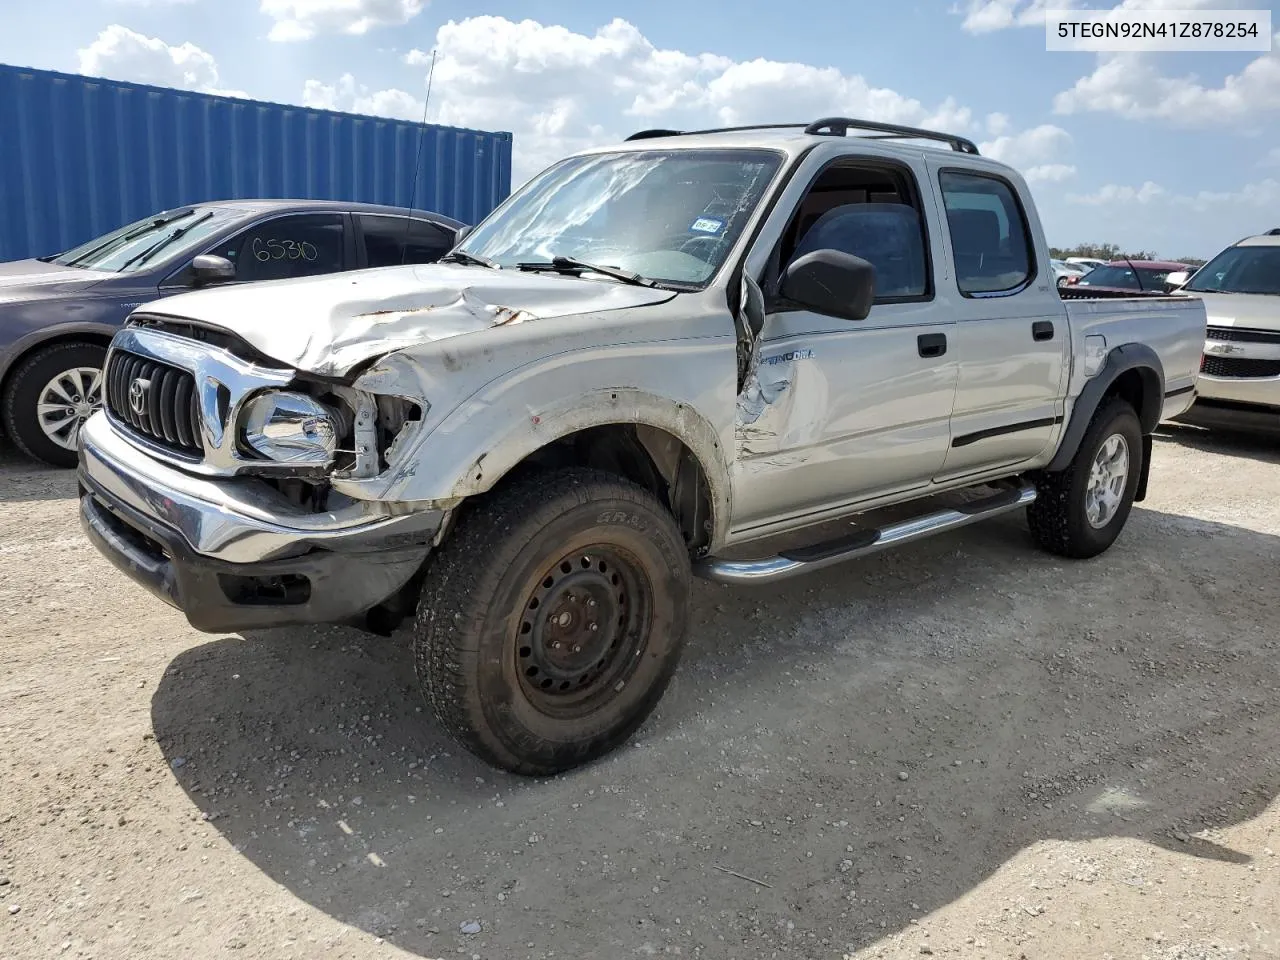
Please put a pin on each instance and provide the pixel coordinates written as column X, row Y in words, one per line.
column 1129, row 277
column 58, row 313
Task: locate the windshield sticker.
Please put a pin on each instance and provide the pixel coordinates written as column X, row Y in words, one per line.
column 707, row 225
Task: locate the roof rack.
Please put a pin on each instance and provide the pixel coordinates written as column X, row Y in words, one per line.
column 832, row 127
column 840, row 127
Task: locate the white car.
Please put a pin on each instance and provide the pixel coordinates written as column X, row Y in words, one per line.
column 1088, row 263
column 1063, row 270
column 1239, row 383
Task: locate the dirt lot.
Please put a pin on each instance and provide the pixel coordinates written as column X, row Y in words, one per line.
column 964, row 749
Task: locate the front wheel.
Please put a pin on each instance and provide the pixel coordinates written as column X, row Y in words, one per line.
column 1079, row 511
column 552, row 619
column 49, row 397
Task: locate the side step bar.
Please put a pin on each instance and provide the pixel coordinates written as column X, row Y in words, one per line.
column 790, row 563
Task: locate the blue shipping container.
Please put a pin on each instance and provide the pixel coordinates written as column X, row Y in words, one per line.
column 80, row 156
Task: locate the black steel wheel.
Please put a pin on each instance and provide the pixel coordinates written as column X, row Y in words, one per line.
column 552, row 619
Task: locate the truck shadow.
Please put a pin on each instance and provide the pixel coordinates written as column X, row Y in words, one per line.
column 1252, row 445
column 871, row 742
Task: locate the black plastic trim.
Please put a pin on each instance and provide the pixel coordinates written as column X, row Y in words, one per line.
column 832, row 548
column 1181, row 391
column 342, row 585
column 967, row 438
column 1121, row 359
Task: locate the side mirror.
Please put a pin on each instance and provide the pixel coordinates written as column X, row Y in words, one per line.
column 831, row 282
column 462, row 233
column 1176, row 280
column 208, row 268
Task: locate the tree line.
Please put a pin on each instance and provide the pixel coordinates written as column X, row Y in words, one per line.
column 1109, row 251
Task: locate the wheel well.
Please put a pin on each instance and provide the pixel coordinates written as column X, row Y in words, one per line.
column 648, row 456
column 1140, row 388
column 98, row 339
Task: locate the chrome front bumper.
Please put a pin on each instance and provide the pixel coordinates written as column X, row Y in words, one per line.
column 235, row 555
column 240, row 520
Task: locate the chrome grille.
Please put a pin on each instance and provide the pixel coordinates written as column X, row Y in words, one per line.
column 1239, row 367
column 168, row 409
column 1237, row 335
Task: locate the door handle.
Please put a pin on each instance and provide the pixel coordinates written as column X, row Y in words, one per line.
column 931, row 344
column 1042, row 330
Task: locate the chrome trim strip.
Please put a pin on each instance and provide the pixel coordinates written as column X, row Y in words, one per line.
column 769, row 569
column 213, row 368
column 237, row 520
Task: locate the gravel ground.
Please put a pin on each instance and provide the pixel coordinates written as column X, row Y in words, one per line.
column 966, row 748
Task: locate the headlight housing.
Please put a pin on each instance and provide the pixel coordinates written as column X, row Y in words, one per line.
column 289, row 427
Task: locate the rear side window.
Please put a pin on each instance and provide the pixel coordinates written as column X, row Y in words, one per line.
column 990, row 238
column 391, row 241
column 302, row 245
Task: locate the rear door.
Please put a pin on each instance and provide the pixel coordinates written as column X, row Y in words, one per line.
column 1010, row 338
column 387, row 241
column 279, row 248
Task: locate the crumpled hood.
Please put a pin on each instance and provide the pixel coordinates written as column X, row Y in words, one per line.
column 328, row 324
column 1247, row 310
column 23, row 279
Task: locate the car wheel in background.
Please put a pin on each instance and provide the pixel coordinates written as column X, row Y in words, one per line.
column 48, row 398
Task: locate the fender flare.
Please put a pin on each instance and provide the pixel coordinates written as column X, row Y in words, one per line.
column 1120, row 360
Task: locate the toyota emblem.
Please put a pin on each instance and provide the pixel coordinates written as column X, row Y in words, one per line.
column 138, row 396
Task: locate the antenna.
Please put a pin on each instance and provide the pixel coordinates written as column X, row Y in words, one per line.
column 417, row 163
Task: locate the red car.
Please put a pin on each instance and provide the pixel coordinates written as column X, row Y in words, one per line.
column 1130, row 276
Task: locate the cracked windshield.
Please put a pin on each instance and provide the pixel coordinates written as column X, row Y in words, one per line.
column 610, row 481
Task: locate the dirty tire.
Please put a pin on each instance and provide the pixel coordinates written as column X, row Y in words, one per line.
column 1058, row 518
column 560, row 561
column 22, row 393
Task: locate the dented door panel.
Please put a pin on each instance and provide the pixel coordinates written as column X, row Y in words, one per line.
column 844, row 411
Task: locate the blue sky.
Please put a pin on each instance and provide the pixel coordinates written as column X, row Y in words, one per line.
column 1177, row 152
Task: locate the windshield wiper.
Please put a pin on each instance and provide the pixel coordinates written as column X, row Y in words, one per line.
column 149, row 225
column 475, row 259
column 574, row 265
column 145, row 255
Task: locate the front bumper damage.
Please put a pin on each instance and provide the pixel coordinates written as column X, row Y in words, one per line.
column 235, row 555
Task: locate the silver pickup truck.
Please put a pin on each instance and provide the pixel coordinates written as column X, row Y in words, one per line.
column 741, row 354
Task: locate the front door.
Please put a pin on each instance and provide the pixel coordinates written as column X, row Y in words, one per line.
column 846, row 411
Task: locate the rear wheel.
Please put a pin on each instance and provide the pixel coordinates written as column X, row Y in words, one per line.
column 49, row 397
column 552, row 619
column 1080, row 511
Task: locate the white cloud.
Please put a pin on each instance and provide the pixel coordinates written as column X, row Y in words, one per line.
column 1049, row 173
column 351, row 97
column 1115, row 194
column 123, row 54
column 559, row 91
column 303, row 19
column 987, row 16
column 1130, row 85
column 153, row 3
column 998, row 124
column 1260, row 194
column 1272, row 159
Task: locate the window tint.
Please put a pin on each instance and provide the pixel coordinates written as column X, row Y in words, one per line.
column 1240, row 270
column 889, row 236
column 295, row 246
column 1119, row 277
column 989, row 236
column 387, row 241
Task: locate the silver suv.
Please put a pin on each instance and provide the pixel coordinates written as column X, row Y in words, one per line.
column 1239, row 381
